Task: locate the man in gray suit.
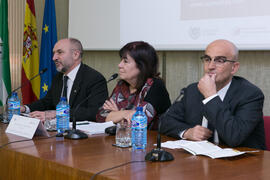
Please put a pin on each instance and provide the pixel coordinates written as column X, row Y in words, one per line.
column 82, row 82
column 221, row 107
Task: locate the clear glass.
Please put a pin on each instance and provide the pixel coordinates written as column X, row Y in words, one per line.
column 123, row 134
column 50, row 120
column 5, row 115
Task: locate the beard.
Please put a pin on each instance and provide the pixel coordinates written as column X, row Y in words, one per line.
column 61, row 67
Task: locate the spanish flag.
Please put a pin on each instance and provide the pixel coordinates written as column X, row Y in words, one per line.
column 30, row 62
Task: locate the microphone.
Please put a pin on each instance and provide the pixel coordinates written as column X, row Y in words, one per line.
column 75, row 133
column 158, row 154
column 25, row 83
column 114, row 76
column 182, row 92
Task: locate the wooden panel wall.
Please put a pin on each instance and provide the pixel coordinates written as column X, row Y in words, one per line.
column 179, row 68
column 185, row 67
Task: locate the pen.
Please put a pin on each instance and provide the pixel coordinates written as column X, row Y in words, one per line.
column 83, row 123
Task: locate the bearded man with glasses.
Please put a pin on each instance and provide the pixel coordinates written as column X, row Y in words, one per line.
column 221, row 107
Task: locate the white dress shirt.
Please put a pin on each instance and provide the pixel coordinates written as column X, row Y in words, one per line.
column 221, row 93
column 71, row 77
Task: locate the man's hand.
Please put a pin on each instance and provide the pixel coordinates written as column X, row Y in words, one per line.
column 198, row 133
column 38, row 114
column 22, row 109
column 207, row 85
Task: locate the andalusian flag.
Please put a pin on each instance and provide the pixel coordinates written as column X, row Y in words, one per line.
column 30, row 62
column 49, row 38
column 5, row 85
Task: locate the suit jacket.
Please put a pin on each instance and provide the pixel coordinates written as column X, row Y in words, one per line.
column 88, row 82
column 238, row 119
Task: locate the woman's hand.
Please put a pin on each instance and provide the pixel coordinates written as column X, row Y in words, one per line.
column 117, row 116
column 110, row 105
column 128, row 115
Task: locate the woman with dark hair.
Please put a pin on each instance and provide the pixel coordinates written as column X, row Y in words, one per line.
column 139, row 85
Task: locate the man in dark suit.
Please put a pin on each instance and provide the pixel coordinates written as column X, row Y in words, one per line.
column 82, row 82
column 221, row 107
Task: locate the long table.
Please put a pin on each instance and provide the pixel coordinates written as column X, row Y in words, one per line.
column 64, row 159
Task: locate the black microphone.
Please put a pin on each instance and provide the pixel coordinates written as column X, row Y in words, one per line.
column 75, row 133
column 182, row 92
column 159, row 154
column 112, row 129
column 114, row 76
column 25, row 83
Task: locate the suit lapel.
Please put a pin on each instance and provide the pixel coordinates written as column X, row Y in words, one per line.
column 231, row 91
column 58, row 88
column 76, row 86
column 199, row 116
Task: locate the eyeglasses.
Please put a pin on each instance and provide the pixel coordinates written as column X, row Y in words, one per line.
column 218, row 60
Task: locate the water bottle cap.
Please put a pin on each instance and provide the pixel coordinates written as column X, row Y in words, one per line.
column 139, row 108
column 14, row 94
column 63, row 99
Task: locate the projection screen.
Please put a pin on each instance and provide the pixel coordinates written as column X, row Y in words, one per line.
column 170, row 24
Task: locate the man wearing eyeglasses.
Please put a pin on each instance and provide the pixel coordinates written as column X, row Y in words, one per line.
column 221, row 107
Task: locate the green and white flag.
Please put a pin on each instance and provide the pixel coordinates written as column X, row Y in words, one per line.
column 5, row 84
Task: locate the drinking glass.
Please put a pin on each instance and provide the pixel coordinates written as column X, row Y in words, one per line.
column 123, row 134
column 50, row 120
column 5, row 115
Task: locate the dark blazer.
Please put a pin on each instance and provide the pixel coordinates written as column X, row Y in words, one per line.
column 88, row 82
column 238, row 119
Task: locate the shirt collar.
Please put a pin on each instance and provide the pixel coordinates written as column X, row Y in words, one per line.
column 223, row 91
column 72, row 74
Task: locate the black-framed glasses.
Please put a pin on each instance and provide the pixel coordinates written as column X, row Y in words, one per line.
column 218, row 60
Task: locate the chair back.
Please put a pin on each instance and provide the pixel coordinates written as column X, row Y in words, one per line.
column 267, row 131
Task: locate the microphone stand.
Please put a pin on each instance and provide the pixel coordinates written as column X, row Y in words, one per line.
column 75, row 133
column 16, row 89
column 158, row 154
column 25, row 83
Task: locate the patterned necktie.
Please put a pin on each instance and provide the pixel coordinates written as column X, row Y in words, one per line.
column 65, row 86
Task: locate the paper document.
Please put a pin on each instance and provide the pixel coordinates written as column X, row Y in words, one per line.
column 93, row 127
column 202, row 148
column 26, row 127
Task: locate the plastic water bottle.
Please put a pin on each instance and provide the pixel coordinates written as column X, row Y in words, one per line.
column 13, row 105
column 62, row 115
column 139, row 129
